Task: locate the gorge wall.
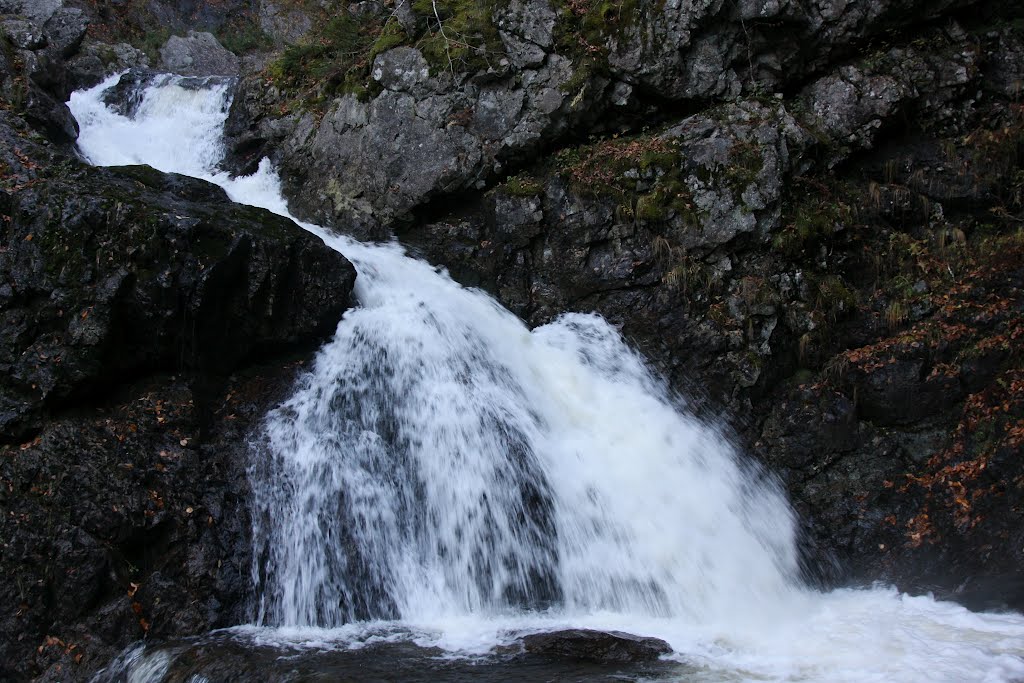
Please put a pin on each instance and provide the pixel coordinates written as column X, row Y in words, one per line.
column 808, row 215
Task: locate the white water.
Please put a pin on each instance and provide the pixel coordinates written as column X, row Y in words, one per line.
column 444, row 471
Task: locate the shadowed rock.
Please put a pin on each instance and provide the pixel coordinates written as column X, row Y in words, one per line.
column 596, row 646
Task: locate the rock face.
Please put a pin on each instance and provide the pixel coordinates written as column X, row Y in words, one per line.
column 806, row 214
column 596, row 646
column 35, row 38
column 421, row 124
column 825, row 266
column 149, row 323
column 130, row 271
column 197, row 54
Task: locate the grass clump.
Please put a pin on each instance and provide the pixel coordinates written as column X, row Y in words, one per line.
column 643, row 172
column 809, row 221
column 460, row 35
column 523, row 185
column 151, row 42
column 454, row 36
column 600, row 168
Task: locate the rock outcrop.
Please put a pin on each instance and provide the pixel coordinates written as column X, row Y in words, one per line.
column 197, row 54
column 835, row 268
column 149, row 323
column 476, row 89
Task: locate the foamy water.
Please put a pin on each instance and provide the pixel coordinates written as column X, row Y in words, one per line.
column 447, row 476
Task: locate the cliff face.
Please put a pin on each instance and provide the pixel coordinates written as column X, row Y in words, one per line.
column 148, row 324
column 839, row 269
column 807, row 215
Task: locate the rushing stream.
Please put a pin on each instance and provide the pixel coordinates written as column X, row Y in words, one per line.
column 445, row 479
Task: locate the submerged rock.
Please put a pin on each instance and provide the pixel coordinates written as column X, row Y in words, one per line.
column 241, row 657
column 596, row 646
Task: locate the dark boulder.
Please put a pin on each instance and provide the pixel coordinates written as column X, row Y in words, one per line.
column 94, row 61
column 65, row 30
column 149, row 324
column 613, row 647
column 115, row 273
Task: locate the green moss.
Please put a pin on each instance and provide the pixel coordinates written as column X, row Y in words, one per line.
column 650, row 208
column 147, row 175
column 461, row 36
column 585, row 25
column 745, row 165
column 670, row 196
column 616, row 167
column 336, row 58
column 244, row 35
column 391, row 36
column 600, row 167
column 522, row 185
column 311, row 60
column 151, row 42
column 107, row 55
column 660, row 158
column 586, row 69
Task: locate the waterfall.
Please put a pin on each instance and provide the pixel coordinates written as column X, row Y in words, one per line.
column 442, row 467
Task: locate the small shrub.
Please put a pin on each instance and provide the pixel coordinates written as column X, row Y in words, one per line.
column 244, row 35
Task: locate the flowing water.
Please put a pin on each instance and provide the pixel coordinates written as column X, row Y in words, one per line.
column 447, row 479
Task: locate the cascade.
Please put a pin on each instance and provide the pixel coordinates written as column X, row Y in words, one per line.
column 443, row 470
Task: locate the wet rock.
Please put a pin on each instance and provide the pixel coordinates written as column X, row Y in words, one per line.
column 96, row 61
column 183, row 286
column 184, row 280
column 235, row 657
column 149, row 324
column 129, row 520
column 596, row 646
column 197, row 54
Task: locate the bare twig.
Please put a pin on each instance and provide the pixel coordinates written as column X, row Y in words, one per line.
column 440, row 29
